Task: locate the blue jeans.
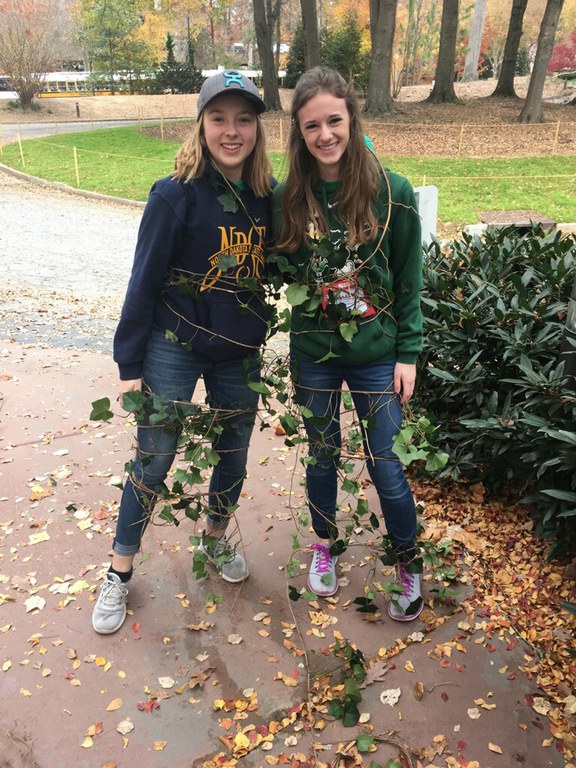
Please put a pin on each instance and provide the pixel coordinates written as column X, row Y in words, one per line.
column 319, row 387
column 173, row 372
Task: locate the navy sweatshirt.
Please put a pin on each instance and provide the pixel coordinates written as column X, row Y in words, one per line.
column 197, row 272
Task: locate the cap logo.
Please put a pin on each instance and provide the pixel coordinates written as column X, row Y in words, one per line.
column 233, row 78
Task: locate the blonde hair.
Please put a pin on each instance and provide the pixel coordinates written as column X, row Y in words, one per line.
column 191, row 159
column 359, row 171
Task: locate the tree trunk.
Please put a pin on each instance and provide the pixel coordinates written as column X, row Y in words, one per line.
column 470, row 73
column 532, row 110
column 265, row 15
column 311, row 40
column 505, row 85
column 382, row 24
column 443, row 90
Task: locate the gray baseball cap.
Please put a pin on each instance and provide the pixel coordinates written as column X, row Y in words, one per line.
column 229, row 81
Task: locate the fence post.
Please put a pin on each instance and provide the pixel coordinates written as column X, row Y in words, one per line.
column 21, row 150
column 76, row 167
column 555, row 142
column 460, row 140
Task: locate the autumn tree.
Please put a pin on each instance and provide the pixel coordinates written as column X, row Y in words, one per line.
column 532, row 110
column 265, row 19
column 29, row 44
column 443, row 89
column 505, row 84
column 382, row 24
column 563, row 57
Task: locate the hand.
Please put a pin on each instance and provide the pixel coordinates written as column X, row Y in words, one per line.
column 132, row 385
column 404, row 380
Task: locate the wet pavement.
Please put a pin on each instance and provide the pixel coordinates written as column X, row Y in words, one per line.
column 203, row 673
column 202, row 668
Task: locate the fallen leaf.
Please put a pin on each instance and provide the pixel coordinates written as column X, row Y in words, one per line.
column 390, row 696
column 114, row 705
column 125, row 727
column 34, row 603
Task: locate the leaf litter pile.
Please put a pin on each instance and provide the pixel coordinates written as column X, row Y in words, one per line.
column 515, row 598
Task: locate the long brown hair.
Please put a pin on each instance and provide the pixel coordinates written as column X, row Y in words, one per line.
column 359, row 170
column 191, row 159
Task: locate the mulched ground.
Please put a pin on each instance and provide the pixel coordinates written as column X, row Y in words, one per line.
column 480, row 127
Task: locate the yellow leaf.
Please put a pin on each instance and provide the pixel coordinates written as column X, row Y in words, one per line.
column 114, row 705
column 100, row 661
column 87, row 743
column 25, row 692
column 409, row 667
column 160, row 745
column 494, row 748
column 241, row 741
column 6, row 666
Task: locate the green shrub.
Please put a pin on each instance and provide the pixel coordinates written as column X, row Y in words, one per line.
column 490, row 376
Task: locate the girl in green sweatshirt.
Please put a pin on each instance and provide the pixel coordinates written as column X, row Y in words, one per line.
column 348, row 233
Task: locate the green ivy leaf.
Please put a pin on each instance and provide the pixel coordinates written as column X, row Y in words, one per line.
column 101, row 410
column 365, row 742
column 228, row 202
column 226, row 262
column 260, row 387
column 296, row 294
column 348, row 330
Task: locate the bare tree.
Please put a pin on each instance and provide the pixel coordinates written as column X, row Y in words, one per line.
column 29, row 46
column 443, row 90
column 505, row 84
column 532, row 110
column 265, row 17
column 382, row 24
column 311, row 40
column 475, row 42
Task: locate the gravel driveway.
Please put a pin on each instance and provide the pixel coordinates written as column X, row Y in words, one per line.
column 65, row 260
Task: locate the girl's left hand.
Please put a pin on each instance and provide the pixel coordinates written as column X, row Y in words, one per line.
column 404, row 380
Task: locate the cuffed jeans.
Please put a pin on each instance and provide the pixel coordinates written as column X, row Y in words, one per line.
column 318, row 388
column 172, row 372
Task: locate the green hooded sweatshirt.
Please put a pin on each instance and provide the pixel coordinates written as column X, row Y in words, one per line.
column 361, row 305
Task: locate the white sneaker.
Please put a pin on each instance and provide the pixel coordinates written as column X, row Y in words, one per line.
column 225, row 557
column 110, row 609
column 322, row 578
column 407, row 604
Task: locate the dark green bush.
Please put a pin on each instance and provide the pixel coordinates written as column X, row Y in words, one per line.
column 490, row 376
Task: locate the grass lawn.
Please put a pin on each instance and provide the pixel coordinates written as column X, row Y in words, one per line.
column 124, row 163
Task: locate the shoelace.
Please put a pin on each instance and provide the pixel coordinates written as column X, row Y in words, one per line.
column 113, row 592
column 321, row 557
column 406, row 578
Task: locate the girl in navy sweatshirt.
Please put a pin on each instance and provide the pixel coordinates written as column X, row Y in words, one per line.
column 194, row 308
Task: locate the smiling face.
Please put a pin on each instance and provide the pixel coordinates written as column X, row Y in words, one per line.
column 230, row 127
column 324, row 123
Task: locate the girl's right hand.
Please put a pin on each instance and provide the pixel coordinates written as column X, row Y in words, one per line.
column 132, row 385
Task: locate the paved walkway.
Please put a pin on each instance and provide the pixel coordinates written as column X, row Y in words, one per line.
column 200, row 668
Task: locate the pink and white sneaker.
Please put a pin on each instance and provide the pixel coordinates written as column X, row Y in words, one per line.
column 406, row 605
column 322, row 578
